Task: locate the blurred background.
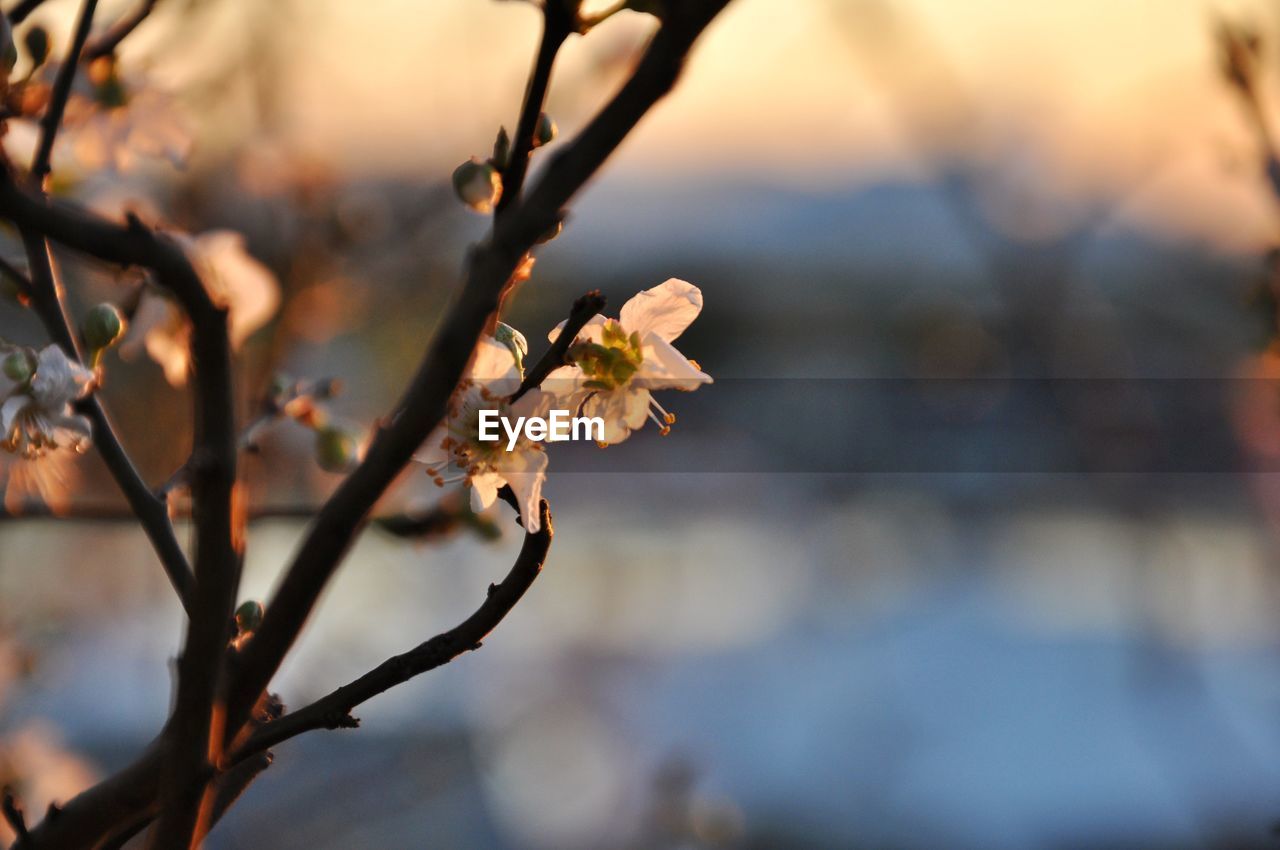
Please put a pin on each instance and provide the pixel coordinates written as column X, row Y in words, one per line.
column 973, row 544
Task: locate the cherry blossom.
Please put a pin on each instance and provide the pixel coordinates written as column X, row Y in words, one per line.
column 454, row 451
column 620, row 362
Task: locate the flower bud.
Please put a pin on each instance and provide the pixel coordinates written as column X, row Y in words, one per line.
column 103, row 326
column 37, row 44
column 108, row 88
column 282, row 385
column 551, row 233
column 501, row 148
column 478, row 185
column 545, row 132
column 336, row 449
column 19, row 366
column 249, row 616
column 513, row 340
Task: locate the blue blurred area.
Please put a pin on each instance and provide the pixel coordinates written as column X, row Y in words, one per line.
column 1080, row 654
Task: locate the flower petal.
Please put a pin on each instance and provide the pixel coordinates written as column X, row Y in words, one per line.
column 666, row 368
column 72, row 431
column 526, row 484
column 236, row 279
column 623, row 411
column 431, row 452
column 494, row 368
column 9, row 411
column 484, row 489
column 591, row 330
column 665, row 310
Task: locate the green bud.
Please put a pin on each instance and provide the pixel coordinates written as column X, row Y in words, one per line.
column 108, row 87
column 478, row 185
column 545, row 132
column 336, row 449
column 501, row 148
column 103, row 327
column 249, row 616
column 37, row 44
column 19, row 366
column 280, row 388
column 514, row 340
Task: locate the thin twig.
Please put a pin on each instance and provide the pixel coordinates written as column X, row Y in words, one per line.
column 584, row 309
column 46, row 298
column 334, row 711
column 102, row 810
column 15, row 818
column 15, row 274
column 558, row 23
column 490, row 267
column 416, row 525
column 106, row 43
column 23, row 10
column 52, row 118
column 217, row 563
column 123, row 514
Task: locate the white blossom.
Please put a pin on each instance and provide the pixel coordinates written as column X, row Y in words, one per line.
column 233, row 279
column 454, row 451
column 619, row 362
column 37, row 416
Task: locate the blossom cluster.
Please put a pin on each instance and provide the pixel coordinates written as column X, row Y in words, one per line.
column 612, row 367
column 615, row 365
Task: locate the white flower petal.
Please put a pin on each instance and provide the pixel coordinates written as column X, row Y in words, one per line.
column 527, row 484
column 58, row 380
column 9, row 411
column 494, row 368
column 71, row 431
column 565, row 388
column 665, row 310
column 666, row 368
column 484, row 489
column 533, row 403
column 623, row 411
column 168, row 345
column 235, row 279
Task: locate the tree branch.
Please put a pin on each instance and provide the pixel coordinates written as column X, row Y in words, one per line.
column 23, row 10
column 212, row 478
column 15, row 274
column 150, row 510
column 558, row 22
column 52, row 118
column 45, row 294
column 106, row 43
column 334, row 711
column 100, row 812
column 584, row 309
column 17, row 821
column 490, row 266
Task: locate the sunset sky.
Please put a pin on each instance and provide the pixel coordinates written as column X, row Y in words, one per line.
column 817, row 94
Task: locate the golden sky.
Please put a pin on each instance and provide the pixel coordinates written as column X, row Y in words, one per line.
column 1088, row 99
